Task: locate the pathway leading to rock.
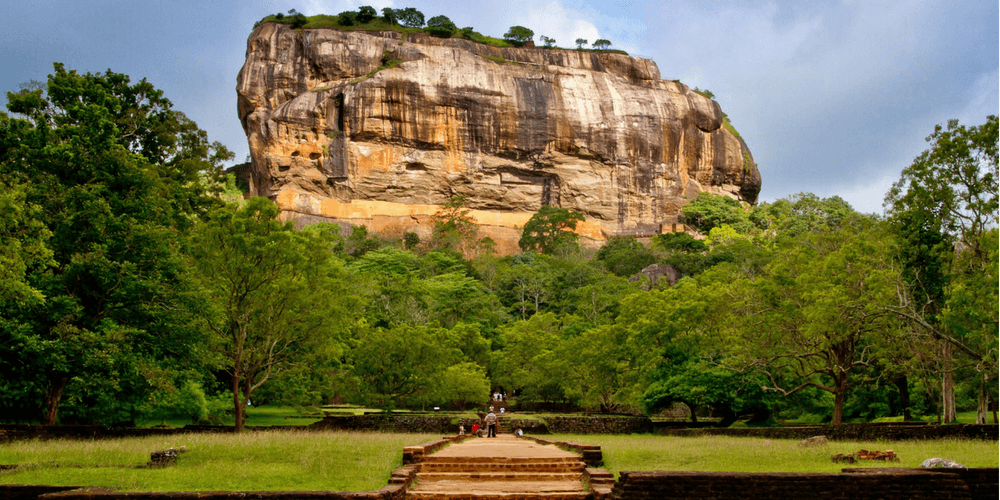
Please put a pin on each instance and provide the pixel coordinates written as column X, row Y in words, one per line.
column 502, row 467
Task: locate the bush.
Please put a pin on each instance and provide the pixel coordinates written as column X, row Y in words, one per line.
column 519, row 35
column 390, row 15
column 347, row 18
column 366, row 14
column 624, row 256
column 680, row 242
column 441, row 26
column 410, row 17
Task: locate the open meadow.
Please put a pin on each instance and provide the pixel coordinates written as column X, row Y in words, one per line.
column 739, row 454
column 273, row 460
column 357, row 461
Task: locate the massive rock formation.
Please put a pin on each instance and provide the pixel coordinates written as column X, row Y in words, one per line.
column 380, row 129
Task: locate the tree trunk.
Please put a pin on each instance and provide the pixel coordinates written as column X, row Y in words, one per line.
column 694, row 409
column 237, row 403
column 52, row 397
column 947, row 386
column 983, row 407
column 902, row 384
column 839, row 397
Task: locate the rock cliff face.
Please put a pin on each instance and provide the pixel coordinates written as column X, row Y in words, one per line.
column 379, row 129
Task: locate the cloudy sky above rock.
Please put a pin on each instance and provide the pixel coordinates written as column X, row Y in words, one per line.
column 833, row 98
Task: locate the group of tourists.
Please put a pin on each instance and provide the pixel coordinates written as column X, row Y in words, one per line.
column 491, row 425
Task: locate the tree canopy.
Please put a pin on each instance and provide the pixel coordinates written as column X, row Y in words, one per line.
column 519, row 35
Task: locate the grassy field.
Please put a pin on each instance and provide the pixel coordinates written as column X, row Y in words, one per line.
column 721, row 453
column 356, row 461
column 277, row 460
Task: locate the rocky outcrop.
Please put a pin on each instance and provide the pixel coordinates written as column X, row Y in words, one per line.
column 380, row 129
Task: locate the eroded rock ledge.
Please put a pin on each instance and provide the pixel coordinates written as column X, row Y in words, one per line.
column 334, row 137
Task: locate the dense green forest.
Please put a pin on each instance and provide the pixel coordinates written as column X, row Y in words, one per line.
column 135, row 282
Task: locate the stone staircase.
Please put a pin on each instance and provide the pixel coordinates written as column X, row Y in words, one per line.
column 490, row 477
column 484, row 473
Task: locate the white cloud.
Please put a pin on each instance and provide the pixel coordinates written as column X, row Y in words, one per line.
column 554, row 20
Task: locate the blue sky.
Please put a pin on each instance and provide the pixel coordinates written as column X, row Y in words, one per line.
column 833, row 98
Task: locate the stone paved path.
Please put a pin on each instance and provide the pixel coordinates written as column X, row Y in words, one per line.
column 502, row 467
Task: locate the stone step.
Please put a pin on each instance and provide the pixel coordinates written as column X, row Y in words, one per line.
column 491, row 495
column 458, row 488
column 438, row 459
column 499, row 476
column 576, row 467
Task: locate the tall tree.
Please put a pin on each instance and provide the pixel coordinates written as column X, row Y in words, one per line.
column 114, row 174
column 812, row 319
column 944, row 208
column 279, row 293
column 550, row 230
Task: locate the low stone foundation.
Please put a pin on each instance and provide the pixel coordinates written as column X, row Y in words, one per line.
column 852, row 483
column 445, row 425
column 590, row 453
column 847, row 432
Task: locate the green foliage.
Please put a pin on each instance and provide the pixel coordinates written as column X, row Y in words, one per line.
column 390, row 16
column 414, row 366
column 410, row 17
column 410, row 240
column 944, row 211
column 679, row 242
column 580, row 42
column 519, row 35
column 550, row 231
column 347, row 18
column 441, row 26
column 23, row 246
column 366, row 13
column 708, row 211
column 454, row 228
column 549, row 42
column 624, row 256
column 109, row 175
column 705, row 92
column 277, row 290
column 602, row 44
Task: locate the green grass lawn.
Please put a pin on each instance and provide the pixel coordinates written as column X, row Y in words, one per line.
column 357, row 461
column 274, row 460
column 262, row 415
column 735, row 454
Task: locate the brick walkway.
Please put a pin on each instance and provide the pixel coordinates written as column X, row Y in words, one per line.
column 502, row 467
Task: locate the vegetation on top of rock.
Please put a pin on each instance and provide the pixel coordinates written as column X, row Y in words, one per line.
column 519, row 35
column 411, row 20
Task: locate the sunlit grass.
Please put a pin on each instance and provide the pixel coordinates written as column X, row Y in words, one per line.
column 733, row 454
column 275, row 460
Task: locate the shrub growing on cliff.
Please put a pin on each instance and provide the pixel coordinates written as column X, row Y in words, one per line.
column 410, row 17
column 390, row 16
column 347, row 18
column 366, row 14
column 441, row 26
column 519, row 35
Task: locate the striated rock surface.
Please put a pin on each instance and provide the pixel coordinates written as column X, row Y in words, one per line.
column 334, row 137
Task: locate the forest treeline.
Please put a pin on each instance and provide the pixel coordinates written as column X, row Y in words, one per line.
column 136, row 283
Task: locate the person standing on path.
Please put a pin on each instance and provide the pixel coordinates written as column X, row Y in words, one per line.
column 491, row 424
